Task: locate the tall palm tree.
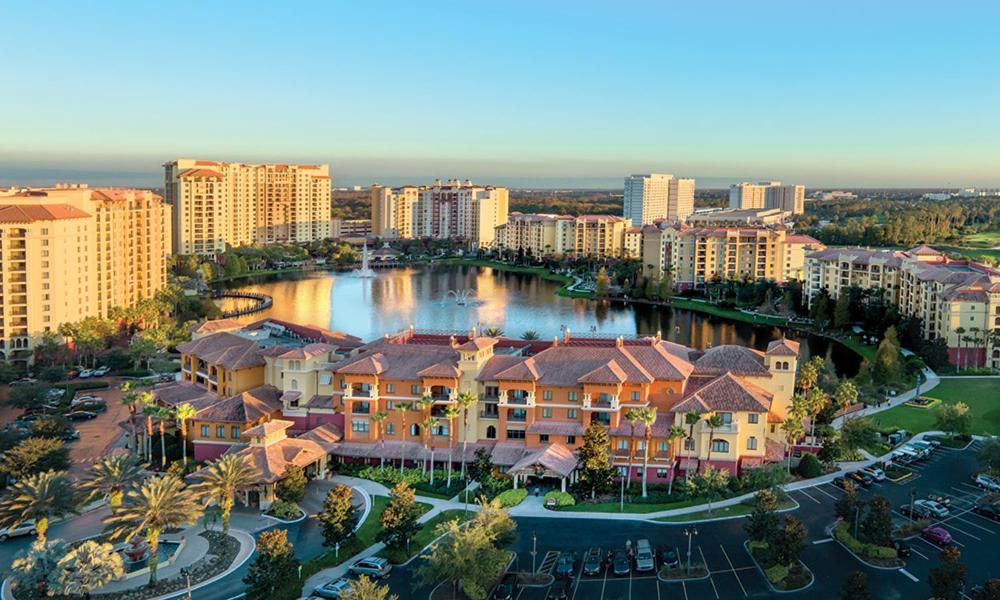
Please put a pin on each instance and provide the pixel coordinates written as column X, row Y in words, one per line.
column 111, row 476
column 130, row 398
column 691, row 419
column 424, row 405
column 633, row 417
column 403, row 408
column 182, row 413
column 87, row 567
column 675, row 434
column 221, row 480
column 793, row 430
column 714, row 422
column 159, row 503
column 465, row 401
column 41, row 497
column 493, row 332
column 162, row 416
column 380, row 418
column 428, row 426
column 647, row 416
column 974, row 331
column 961, row 333
column 149, row 410
column 451, row 413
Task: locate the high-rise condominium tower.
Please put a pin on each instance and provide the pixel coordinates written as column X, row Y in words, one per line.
column 769, row 194
column 217, row 203
column 656, row 196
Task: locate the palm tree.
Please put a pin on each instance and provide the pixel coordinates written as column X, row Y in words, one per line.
column 647, row 416
column 691, row 419
column 159, row 503
column 633, row 417
column 465, row 401
column 493, row 332
column 162, row 415
column 40, row 497
column 87, row 567
column 714, row 422
column 451, row 412
column 530, row 335
column 428, row 426
column 793, row 430
column 424, row 405
column 182, row 413
column 111, row 476
column 676, row 433
column 975, row 344
column 221, row 480
column 380, row 418
column 149, row 409
column 135, row 400
column 961, row 333
column 403, row 407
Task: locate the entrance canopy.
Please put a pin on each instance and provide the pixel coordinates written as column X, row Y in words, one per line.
column 554, row 460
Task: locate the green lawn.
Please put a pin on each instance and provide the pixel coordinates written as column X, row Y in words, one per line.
column 980, row 394
column 537, row 271
column 426, row 535
column 986, row 239
column 632, row 507
column 970, row 253
column 736, row 510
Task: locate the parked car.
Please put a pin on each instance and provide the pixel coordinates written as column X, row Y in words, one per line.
column 593, row 562
column 840, row 482
column 861, row 478
column 989, row 511
column 902, row 548
column 85, row 398
column 332, row 589
column 937, row 535
column 902, row 458
column 81, row 415
column 926, row 447
column 987, row 483
column 932, row 508
column 55, row 393
column 668, row 556
column 71, row 436
column 940, row 499
column 375, row 567
column 507, row 589
column 92, row 406
column 875, row 473
column 911, row 511
column 86, row 374
column 25, row 528
column 644, row 560
column 620, row 563
column 566, row 564
column 100, row 371
column 561, row 590
column 24, row 381
column 913, row 453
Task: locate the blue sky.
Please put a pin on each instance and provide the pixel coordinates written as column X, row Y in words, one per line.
column 543, row 93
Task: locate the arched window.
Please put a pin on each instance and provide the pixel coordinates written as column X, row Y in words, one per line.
column 491, row 433
column 415, row 430
column 720, row 446
column 295, row 384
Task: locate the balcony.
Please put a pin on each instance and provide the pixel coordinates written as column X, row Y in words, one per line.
column 517, row 398
column 352, row 393
column 733, row 427
column 603, row 402
column 483, row 414
column 516, row 418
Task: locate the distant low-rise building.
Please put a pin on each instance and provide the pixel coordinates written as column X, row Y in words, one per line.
column 350, row 229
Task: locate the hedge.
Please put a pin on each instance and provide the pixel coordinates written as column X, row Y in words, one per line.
column 562, row 498
column 511, row 498
column 861, row 548
column 776, row 574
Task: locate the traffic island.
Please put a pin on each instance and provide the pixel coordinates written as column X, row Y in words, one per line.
column 780, row 578
column 682, row 573
column 876, row 557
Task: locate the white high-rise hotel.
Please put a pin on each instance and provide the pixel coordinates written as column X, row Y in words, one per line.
column 657, row 196
column 770, row 194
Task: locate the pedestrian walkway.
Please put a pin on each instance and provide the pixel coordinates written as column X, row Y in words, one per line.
column 931, row 381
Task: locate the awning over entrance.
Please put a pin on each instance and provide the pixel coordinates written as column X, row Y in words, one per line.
column 688, row 464
column 554, row 460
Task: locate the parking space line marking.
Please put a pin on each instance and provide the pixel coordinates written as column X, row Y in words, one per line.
column 657, row 580
column 952, row 525
column 735, row 574
column 918, row 553
column 987, row 519
column 604, row 584
column 825, row 493
column 683, row 587
column 908, row 574
column 579, row 576
column 971, row 487
column 976, row 525
column 823, row 541
column 803, row 492
column 704, row 561
column 630, row 584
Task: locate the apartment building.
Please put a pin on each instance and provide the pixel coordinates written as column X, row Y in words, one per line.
column 350, row 229
column 600, row 235
column 537, row 234
column 451, row 209
column 769, row 194
column 71, row 252
column 655, row 196
column 218, row 204
column 738, row 217
column 957, row 300
column 697, row 255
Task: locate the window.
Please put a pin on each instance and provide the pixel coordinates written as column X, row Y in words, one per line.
column 753, row 418
column 415, row 430
column 547, row 395
column 570, row 439
column 689, row 443
column 543, row 438
column 727, row 417
column 491, row 433
column 720, row 446
column 204, row 431
column 571, row 413
column 546, row 413
column 389, row 388
column 635, row 396
column 390, row 429
column 234, row 432
column 751, row 443
column 623, row 444
column 641, row 445
column 571, row 396
column 661, row 446
column 622, row 471
column 359, row 425
column 414, row 389
column 389, row 405
column 515, row 434
column 773, row 427
column 220, row 431
column 662, row 473
column 325, row 379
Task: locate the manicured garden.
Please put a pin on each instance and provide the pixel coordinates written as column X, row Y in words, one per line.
column 389, row 476
column 735, row 510
column 978, row 394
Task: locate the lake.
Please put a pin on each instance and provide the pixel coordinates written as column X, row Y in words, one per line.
column 425, row 297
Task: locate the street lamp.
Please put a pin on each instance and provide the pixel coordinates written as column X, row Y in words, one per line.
column 186, row 573
column 621, row 500
column 534, row 549
column 690, row 532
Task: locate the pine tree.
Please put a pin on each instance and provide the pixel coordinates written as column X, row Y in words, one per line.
column 595, row 460
column 842, row 311
column 877, row 525
column 763, row 521
column 339, row 516
column 856, row 587
column 275, row 566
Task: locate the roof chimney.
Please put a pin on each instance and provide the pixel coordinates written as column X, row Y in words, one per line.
column 566, row 335
column 619, row 341
column 555, row 341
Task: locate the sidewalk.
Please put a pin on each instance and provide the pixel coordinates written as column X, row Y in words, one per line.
column 931, row 382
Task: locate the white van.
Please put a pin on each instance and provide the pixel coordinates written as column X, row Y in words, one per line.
column 644, row 560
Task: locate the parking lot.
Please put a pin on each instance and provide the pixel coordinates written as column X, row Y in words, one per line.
column 732, row 573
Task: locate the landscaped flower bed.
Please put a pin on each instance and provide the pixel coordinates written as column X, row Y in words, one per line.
column 784, row 578
column 923, row 402
column 512, row 497
column 286, row 511
column 390, row 476
column 880, row 556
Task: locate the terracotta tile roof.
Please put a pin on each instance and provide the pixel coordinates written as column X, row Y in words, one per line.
column 860, row 256
column 320, row 402
column 326, row 435
column 367, row 365
column 731, row 359
column 476, row 344
column 505, row 454
column 268, row 428
column 397, row 361
column 440, row 370
column 923, row 251
column 184, row 392
column 556, row 427
column 496, row 364
column 783, row 347
column 272, row 461
column 308, row 351
column 215, row 326
column 201, row 173
column 566, row 365
column 29, row 213
column 555, row 457
column 609, row 373
column 226, row 350
column 246, row 407
column 801, row 238
column 312, row 333
column 726, row 393
column 520, row 371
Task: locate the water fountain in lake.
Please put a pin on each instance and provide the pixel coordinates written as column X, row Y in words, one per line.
column 461, row 296
column 365, row 271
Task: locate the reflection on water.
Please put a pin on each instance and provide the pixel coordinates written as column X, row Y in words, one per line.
column 516, row 303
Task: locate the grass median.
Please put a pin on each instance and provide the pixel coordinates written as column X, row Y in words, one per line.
column 979, row 394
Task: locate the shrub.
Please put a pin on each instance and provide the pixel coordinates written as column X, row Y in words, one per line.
column 511, row 498
column 777, row 573
column 562, row 498
column 287, row 511
column 860, row 548
column 809, row 467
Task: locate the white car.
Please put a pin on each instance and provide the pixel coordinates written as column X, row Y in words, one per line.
column 876, row 473
column 86, row 373
column 55, row 393
column 987, row 483
column 930, row 507
column 100, row 372
column 26, row 528
column 86, row 398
